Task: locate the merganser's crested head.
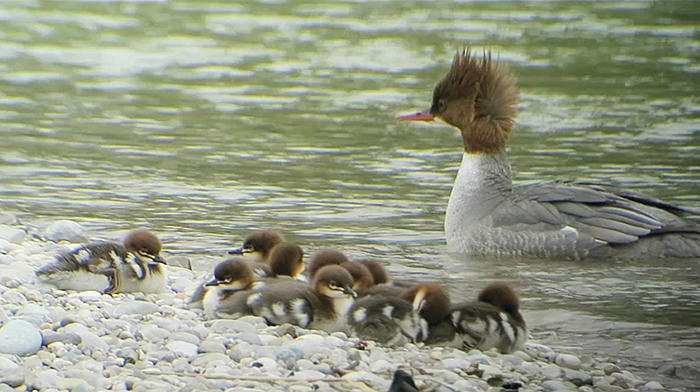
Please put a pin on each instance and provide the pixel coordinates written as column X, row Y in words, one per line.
column 259, row 243
column 430, row 299
column 478, row 96
column 324, row 257
column 232, row 274
column 502, row 296
column 286, row 259
column 379, row 274
column 145, row 245
column 360, row 274
column 333, row 281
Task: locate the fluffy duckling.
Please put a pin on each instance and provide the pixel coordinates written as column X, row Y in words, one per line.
column 377, row 270
column 230, row 276
column 134, row 265
column 258, row 244
column 320, row 305
column 493, row 321
column 360, row 274
column 396, row 319
column 322, row 258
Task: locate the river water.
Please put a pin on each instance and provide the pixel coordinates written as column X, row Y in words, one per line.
column 205, row 120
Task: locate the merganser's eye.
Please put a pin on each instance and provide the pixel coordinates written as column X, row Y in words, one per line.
column 441, row 105
column 334, row 286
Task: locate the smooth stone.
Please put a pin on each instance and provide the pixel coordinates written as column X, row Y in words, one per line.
column 14, row 379
column 72, row 384
column 568, row 361
column 611, row 368
column 65, row 230
column 211, row 346
column 135, row 307
column 227, row 326
column 183, row 348
column 185, row 337
column 310, row 374
column 8, row 218
column 19, row 337
column 381, row 366
column 479, row 357
column 7, row 366
column 554, row 385
column 88, row 338
column 511, row 359
column 12, row 235
column 577, row 377
column 66, row 338
column 179, row 261
column 626, row 381
column 653, row 386
column 551, row 372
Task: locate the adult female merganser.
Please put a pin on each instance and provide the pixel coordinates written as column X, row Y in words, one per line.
column 493, row 321
column 487, row 216
column 230, row 277
column 321, row 305
column 132, row 266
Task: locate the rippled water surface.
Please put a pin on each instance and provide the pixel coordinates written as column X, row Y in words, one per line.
column 205, row 120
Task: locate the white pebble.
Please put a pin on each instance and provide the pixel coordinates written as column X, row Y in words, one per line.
column 19, row 337
column 568, row 361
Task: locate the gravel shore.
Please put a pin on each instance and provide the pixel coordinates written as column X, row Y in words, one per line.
column 54, row 340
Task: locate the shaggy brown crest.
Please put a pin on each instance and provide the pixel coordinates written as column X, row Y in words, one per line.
column 503, row 297
column 478, row 96
column 142, row 240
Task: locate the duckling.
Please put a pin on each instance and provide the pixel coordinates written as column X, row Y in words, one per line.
column 493, row 321
column 324, row 257
column 256, row 248
column 135, row 265
column 360, row 274
column 230, row 276
column 320, row 305
column 377, row 270
column 396, row 319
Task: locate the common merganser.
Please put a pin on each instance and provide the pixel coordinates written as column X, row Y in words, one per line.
column 134, row 265
column 492, row 321
column 256, row 248
column 230, row 277
column 379, row 274
column 286, row 259
column 395, row 318
column 361, row 275
column 321, row 305
column 487, row 216
column 322, row 258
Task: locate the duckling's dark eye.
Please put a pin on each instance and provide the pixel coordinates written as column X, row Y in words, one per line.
column 441, row 105
column 334, row 286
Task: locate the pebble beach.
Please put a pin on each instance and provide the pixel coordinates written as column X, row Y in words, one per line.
column 55, row 340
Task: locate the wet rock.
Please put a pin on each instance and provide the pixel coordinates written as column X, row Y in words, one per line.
column 66, row 338
column 135, row 307
column 577, row 377
column 65, row 230
column 653, row 386
column 554, row 385
column 12, row 235
column 568, row 361
column 19, row 337
column 610, row 368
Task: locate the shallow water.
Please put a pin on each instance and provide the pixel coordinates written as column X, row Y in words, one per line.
column 205, row 120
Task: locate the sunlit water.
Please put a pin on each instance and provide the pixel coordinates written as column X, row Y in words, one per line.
column 205, row 120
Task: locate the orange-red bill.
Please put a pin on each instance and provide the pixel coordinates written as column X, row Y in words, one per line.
column 420, row 116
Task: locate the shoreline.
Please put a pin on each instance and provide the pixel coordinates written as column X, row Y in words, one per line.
column 91, row 341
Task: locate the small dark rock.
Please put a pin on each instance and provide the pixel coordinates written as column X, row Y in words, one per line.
column 403, row 382
column 512, row 385
column 67, row 338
